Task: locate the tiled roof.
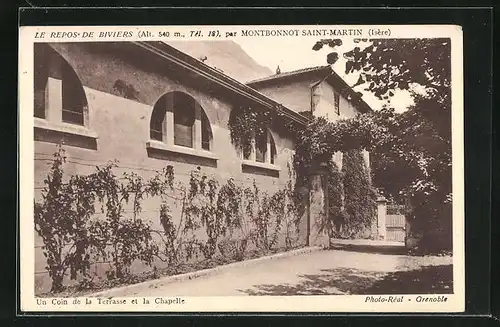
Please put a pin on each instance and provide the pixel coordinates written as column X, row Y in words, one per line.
column 326, row 72
column 292, row 73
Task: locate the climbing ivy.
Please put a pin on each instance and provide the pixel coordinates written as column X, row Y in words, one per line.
column 359, row 195
column 336, row 216
column 246, row 124
column 65, row 219
column 118, row 237
column 61, row 218
column 224, row 219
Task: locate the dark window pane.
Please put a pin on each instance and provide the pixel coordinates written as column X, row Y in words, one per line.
column 261, row 147
column 273, row 150
column 157, row 119
column 73, row 97
column 337, row 103
column 246, row 153
column 39, row 108
column 183, row 109
column 41, row 74
column 259, row 155
column 156, row 135
column 72, row 117
column 183, row 135
column 206, row 134
column 205, row 145
column 183, row 119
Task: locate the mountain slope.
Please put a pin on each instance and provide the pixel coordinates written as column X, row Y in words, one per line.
column 226, row 56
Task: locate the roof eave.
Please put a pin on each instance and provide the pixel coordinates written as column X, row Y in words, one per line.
column 320, row 72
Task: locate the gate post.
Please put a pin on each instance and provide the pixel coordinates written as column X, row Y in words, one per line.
column 318, row 234
column 381, row 217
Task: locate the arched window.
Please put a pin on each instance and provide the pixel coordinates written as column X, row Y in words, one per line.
column 263, row 149
column 58, row 93
column 178, row 119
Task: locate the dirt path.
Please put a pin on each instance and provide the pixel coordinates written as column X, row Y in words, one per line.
column 324, row 272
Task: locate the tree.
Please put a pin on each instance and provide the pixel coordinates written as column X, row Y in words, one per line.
column 388, row 64
column 411, row 152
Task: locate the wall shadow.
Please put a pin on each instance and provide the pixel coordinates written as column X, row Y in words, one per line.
column 246, row 169
column 427, row 280
column 365, row 248
column 58, row 137
column 181, row 157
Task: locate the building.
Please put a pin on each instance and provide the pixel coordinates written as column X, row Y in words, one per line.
column 145, row 104
column 148, row 105
column 316, row 90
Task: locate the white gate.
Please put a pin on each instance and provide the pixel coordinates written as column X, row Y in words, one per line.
column 395, row 224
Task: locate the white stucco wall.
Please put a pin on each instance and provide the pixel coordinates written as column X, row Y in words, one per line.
column 294, row 95
column 326, row 105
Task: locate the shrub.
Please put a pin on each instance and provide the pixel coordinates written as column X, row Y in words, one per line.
column 61, row 220
column 359, row 196
column 230, row 216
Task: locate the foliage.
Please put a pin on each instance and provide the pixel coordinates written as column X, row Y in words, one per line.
column 423, row 180
column 229, row 203
column 359, row 196
column 230, row 208
column 162, row 185
column 351, row 197
column 61, row 219
column 120, row 238
column 170, row 233
column 71, row 237
column 202, row 211
column 211, row 218
column 246, row 124
column 411, row 160
column 266, row 213
column 410, row 152
column 318, row 142
column 125, row 89
column 389, row 64
column 337, row 216
column 293, row 212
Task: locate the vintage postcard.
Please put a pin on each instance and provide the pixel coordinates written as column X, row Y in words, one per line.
column 241, row 169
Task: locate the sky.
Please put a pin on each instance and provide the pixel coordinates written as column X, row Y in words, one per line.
column 296, row 53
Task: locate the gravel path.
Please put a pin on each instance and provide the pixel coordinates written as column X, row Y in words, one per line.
column 373, row 271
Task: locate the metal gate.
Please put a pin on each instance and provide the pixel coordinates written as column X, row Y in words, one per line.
column 395, row 224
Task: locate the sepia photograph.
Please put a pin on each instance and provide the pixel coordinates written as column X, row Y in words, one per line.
column 286, row 162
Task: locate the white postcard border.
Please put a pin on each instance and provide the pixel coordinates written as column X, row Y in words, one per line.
column 345, row 303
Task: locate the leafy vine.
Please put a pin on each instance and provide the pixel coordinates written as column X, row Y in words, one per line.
column 246, row 124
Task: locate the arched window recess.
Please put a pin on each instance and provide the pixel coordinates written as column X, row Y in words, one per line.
column 60, row 108
column 262, row 150
column 58, row 92
column 179, row 124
